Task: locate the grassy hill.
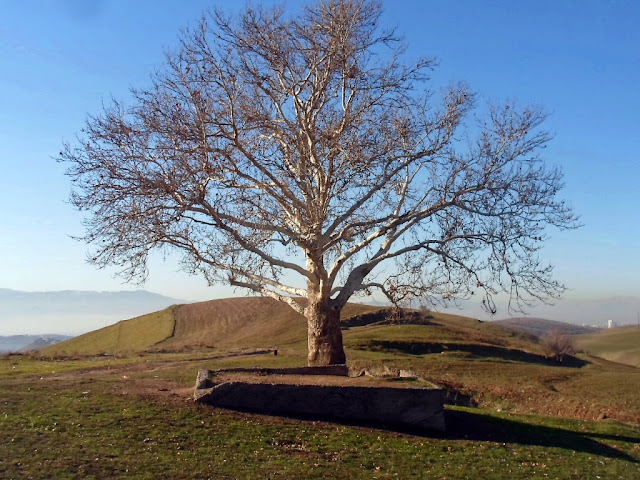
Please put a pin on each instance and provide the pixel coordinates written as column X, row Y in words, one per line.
column 511, row 413
column 620, row 344
column 131, row 418
column 259, row 322
column 479, row 363
column 232, row 323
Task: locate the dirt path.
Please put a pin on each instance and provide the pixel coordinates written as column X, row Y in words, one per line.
column 153, row 387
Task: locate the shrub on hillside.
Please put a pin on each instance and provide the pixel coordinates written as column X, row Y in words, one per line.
column 558, row 344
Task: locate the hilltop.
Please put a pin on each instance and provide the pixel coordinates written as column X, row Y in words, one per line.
column 244, row 323
column 260, row 322
column 232, row 323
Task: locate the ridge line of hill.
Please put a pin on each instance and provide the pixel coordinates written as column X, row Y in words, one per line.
column 239, row 323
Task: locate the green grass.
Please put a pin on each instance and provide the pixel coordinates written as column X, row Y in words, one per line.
column 477, row 362
column 97, row 416
column 512, row 382
column 25, row 365
column 104, row 426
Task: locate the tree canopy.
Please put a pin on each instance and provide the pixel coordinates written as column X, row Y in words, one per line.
column 306, row 156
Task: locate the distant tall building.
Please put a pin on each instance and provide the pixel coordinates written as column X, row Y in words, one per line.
column 610, row 324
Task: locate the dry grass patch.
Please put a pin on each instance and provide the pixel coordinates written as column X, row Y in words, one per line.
column 620, row 344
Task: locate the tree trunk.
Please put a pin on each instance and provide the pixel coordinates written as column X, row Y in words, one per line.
column 324, row 335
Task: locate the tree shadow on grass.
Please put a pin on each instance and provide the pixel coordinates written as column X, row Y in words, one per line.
column 475, row 349
column 463, row 425
column 471, row 426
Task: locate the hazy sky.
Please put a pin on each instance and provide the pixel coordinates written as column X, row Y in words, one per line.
column 580, row 60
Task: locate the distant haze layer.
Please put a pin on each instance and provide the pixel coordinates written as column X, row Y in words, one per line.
column 591, row 312
column 73, row 312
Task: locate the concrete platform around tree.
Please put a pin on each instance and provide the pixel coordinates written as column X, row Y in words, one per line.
column 394, row 398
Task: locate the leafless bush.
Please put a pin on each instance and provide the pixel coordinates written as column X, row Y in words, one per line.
column 557, row 344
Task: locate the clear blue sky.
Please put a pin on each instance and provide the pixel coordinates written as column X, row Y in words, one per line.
column 579, row 59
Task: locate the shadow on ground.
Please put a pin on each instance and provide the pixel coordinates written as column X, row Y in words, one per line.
column 463, row 425
column 471, row 426
column 475, row 349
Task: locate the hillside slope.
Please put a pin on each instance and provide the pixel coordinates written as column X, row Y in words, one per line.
column 235, row 323
column 620, row 345
column 258, row 322
column 477, row 363
column 231, row 323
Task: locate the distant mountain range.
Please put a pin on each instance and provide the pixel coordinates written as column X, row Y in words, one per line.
column 541, row 326
column 622, row 310
column 71, row 312
column 593, row 312
column 25, row 343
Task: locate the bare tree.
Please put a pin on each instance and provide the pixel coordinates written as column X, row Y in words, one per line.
column 303, row 157
column 557, row 344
